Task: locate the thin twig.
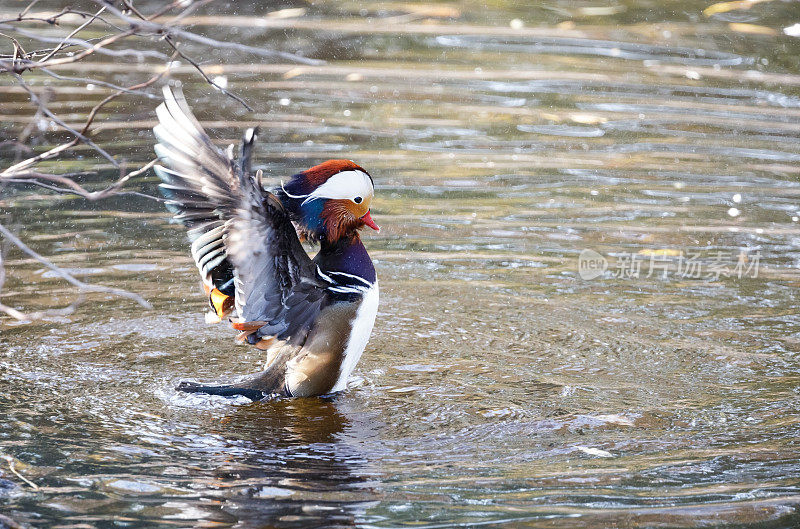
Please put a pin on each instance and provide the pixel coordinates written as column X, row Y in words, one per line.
column 35, row 177
column 17, row 47
column 65, row 191
column 25, row 11
column 28, row 317
column 98, row 82
column 69, row 277
column 188, row 59
column 72, row 34
column 32, row 316
column 163, row 29
column 79, row 136
column 54, row 20
column 97, row 47
column 10, row 461
column 206, row 77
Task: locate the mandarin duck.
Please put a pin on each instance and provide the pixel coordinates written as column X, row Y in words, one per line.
column 312, row 317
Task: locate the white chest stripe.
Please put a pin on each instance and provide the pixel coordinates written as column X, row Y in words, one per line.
column 359, row 335
column 351, row 276
column 348, row 290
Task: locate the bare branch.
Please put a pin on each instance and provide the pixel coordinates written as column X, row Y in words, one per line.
column 206, row 77
column 22, row 65
column 79, row 136
column 74, row 188
column 69, row 277
column 126, row 34
column 28, row 317
column 98, row 82
column 75, row 32
column 31, row 316
column 28, row 8
column 170, row 30
column 65, row 191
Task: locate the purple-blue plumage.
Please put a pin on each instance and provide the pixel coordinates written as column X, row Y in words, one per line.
column 312, row 318
column 347, row 256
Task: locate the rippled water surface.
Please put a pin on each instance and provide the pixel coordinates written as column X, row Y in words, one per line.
column 503, row 385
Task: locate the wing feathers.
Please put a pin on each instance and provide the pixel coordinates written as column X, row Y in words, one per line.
column 240, row 233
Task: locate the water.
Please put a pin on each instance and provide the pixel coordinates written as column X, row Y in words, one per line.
column 499, row 388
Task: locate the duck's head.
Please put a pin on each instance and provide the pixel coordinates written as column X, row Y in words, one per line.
column 330, row 200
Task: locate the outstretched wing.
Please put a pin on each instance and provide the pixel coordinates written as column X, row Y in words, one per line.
column 236, row 228
column 196, row 181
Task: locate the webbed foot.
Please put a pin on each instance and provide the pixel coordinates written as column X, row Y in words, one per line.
column 224, row 390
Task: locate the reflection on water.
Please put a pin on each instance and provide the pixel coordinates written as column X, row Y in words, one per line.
column 293, row 465
column 500, row 386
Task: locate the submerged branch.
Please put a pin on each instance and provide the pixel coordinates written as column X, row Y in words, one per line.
column 12, row 468
column 27, row 317
column 32, row 316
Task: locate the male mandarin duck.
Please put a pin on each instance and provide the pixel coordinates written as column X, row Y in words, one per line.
column 313, row 317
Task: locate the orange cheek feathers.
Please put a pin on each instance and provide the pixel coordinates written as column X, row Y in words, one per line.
column 361, row 211
column 341, row 216
column 335, row 215
column 357, row 210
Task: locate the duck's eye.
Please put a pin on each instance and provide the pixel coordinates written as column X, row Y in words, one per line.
column 358, row 200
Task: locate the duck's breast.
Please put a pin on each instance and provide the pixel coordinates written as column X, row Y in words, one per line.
column 359, row 335
column 333, row 347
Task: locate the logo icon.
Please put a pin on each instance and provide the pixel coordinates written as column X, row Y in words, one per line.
column 591, row 264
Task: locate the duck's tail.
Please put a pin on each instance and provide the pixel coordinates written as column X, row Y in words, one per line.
column 269, row 383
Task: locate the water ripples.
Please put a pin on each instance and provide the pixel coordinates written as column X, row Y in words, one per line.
column 601, row 48
column 499, row 388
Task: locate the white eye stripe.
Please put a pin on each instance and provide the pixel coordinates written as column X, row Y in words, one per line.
column 344, row 185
